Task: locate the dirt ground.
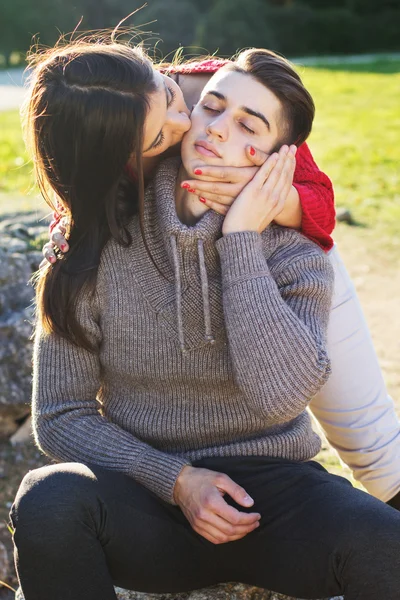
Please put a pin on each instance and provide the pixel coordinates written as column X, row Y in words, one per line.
column 376, row 273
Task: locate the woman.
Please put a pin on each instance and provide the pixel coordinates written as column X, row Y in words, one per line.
column 191, row 359
column 353, row 408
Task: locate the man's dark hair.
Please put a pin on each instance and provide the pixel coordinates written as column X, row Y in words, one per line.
column 278, row 75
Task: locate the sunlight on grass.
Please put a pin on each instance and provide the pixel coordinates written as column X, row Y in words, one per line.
column 4, row 584
column 356, row 141
column 329, row 459
column 15, row 167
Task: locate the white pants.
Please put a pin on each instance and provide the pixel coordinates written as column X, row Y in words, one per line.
column 353, row 408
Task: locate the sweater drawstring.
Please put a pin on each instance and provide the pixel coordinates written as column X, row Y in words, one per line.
column 205, row 293
column 209, row 338
column 178, row 292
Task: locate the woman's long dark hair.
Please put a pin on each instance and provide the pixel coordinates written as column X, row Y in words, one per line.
column 84, row 119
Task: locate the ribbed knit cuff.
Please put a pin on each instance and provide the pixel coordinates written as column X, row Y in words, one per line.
column 158, row 472
column 241, row 256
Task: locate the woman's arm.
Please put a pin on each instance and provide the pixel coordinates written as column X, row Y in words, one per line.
column 309, row 206
column 67, row 420
column 316, row 198
column 292, row 214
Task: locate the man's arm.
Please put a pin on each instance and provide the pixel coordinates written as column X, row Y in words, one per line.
column 276, row 322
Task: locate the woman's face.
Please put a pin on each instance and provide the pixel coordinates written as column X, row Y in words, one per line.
column 234, row 111
column 167, row 119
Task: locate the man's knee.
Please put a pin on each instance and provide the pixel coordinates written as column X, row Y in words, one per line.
column 51, row 497
column 372, row 537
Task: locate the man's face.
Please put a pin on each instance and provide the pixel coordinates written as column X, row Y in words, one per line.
column 234, row 111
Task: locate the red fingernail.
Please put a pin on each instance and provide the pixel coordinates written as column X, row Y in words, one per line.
column 63, row 247
column 191, row 190
column 203, row 200
column 252, row 151
column 198, row 172
column 186, row 186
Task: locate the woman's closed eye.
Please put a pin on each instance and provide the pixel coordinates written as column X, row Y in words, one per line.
column 172, row 96
column 160, row 141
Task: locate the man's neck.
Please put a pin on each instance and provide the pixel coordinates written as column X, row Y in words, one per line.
column 188, row 206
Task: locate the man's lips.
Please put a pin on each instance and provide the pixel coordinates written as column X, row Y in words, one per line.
column 206, row 149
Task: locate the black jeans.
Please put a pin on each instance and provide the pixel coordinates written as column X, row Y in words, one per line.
column 81, row 529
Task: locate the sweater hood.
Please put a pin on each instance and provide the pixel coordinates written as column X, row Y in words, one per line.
column 185, row 255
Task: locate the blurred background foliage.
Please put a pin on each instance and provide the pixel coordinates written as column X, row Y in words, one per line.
column 293, row 27
column 355, row 137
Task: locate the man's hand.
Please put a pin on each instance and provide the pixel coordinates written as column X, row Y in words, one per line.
column 264, row 197
column 199, row 494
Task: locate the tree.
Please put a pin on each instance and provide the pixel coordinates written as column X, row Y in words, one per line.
column 173, row 23
column 21, row 21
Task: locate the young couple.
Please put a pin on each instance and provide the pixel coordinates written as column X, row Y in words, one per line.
column 177, row 348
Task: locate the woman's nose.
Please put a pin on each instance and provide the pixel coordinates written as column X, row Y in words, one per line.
column 179, row 121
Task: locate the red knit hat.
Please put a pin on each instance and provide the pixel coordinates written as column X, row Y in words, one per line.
column 204, row 66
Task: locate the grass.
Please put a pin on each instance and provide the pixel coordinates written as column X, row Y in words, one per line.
column 355, row 140
column 17, row 191
column 15, row 168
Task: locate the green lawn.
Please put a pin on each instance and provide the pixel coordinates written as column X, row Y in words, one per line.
column 15, row 168
column 356, row 140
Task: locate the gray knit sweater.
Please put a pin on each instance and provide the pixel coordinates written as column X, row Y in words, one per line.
column 217, row 356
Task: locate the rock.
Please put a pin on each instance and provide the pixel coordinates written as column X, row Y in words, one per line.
column 343, row 215
column 15, row 272
column 19, row 230
column 23, row 433
column 15, row 368
column 223, row 591
column 18, row 261
column 4, row 563
column 12, row 245
column 34, row 259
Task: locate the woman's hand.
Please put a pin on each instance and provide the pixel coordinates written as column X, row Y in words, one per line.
column 264, row 197
column 57, row 240
column 220, row 186
column 198, row 492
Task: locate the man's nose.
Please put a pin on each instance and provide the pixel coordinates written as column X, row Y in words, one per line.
column 218, row 128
